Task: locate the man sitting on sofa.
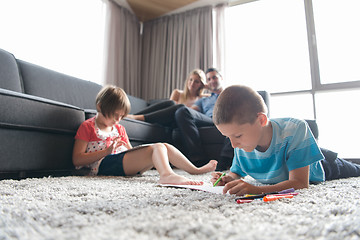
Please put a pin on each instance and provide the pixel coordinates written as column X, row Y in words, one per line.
column 189, row 119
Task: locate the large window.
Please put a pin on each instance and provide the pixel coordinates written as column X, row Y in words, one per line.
column 63, row 35
column 307, row 55
column 266, row 47
column 337, row 25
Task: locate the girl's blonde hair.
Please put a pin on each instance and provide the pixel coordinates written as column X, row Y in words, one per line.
column 110, row 99
column 200, row 73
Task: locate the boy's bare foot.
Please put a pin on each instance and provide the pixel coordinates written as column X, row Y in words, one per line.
column 209, row 167
column 178, row 180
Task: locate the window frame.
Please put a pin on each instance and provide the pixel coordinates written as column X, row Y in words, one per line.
column 316, row 85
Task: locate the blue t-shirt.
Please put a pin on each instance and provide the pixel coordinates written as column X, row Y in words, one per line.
column 292, row 146
column 206, row 104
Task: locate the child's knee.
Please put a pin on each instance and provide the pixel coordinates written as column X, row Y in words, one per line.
column 167, row 145
column 159, row 146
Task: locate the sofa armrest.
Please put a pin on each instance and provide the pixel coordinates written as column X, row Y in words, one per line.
column 19, row 110
column 89, row 113
column 266, row 97
column 313, row 127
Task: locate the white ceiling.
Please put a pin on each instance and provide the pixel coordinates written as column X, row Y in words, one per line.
column 149, row 13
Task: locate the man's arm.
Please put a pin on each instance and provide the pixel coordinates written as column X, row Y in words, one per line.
column 196, row 108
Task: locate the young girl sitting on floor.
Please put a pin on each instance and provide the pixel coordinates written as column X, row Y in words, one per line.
column 100, row 143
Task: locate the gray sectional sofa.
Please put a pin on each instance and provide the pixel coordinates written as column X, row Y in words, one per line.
column 41, row 110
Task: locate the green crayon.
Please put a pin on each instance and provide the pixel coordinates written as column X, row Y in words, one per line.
column 219, row 179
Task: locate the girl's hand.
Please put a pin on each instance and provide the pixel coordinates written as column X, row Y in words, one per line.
column 118, row 143
column 239, row 187
column 111, row 147
column 225, row 179
column 122, row 146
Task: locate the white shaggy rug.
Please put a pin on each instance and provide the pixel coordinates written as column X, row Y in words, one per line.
column 135, row 208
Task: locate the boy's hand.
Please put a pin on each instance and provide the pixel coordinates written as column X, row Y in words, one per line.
column 225, row 179
column 239, row 187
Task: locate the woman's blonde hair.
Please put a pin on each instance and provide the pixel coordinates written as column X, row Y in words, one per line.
column 110, row 99
column 200, row 73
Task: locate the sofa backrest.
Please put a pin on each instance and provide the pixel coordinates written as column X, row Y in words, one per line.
column 9, row 73
column 137, row 104
column 42, row 82
column 266, row 97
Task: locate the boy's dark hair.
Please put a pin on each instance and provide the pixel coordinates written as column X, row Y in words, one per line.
column 212, row 69
column 239, row 104
column 110, row 99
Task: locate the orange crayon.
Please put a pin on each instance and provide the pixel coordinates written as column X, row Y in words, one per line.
column 269, row 198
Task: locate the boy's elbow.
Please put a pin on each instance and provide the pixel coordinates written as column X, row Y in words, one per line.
column 301, row 185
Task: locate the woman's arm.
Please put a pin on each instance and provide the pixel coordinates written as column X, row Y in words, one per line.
column 175, row 95
column 81, row 158
column 205, row 95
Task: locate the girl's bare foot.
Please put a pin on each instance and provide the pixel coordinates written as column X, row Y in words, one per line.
column 209, row 167
column 178, row 180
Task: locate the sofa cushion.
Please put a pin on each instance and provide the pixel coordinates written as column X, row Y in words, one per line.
column 22, row 111
column 9, row 72
column 42, row 82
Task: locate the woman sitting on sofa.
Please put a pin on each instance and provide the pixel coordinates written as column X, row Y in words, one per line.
column 163, row 112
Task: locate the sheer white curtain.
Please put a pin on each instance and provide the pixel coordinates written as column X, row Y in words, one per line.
column 219, row 37
column 122, row 50
column 171, row 47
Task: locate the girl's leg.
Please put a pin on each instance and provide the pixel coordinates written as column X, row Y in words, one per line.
column 180, row 161
column 112, row 165
column 154, row 155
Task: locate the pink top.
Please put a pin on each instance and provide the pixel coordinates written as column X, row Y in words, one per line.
column 100, row 140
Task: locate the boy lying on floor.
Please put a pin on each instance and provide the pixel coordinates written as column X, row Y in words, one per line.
column 281, row 152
